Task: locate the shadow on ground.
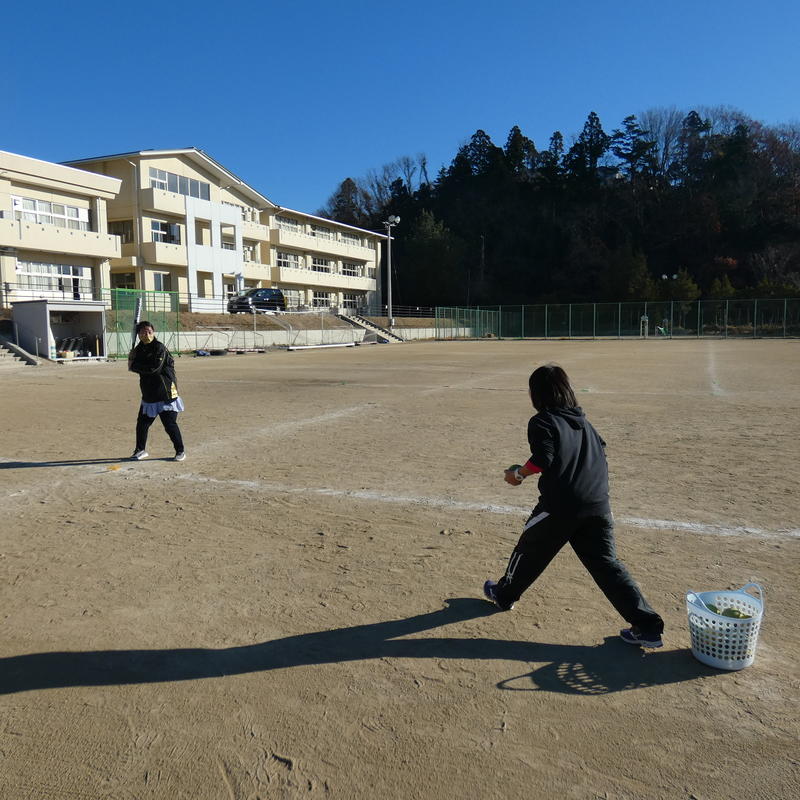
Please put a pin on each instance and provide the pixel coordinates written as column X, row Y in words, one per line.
column 613, row 666
column 73, row 463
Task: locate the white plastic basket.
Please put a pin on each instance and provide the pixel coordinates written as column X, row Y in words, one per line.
column 725, row 642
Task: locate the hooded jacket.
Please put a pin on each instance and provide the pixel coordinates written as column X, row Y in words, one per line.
column 571, row 455
column 156, row 369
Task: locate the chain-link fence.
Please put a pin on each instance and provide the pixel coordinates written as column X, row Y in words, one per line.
column 766, row 318
column 466, row 323
column 159, row 308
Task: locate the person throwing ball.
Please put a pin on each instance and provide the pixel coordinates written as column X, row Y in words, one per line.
column 156, row 368
column 569, row 456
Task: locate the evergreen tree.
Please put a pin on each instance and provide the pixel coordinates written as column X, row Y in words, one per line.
column 520, row 154
column 693, row 150
column 635, row 148
column 583, row 157
column 347, row 204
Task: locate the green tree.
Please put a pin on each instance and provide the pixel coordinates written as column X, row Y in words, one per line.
column 591, row 145
column 520, row 153
column 549, row 162
column 348, row 204
column 693, row 150
column 434, row 266
column 722, row 288
column 635, row 148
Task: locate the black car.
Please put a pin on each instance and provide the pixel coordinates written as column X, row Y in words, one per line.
column 259, row 299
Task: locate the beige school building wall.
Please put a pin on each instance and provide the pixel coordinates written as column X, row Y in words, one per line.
column 54, row 240
column 190, row 226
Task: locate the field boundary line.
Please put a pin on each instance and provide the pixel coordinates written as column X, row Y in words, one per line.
column 493, row 508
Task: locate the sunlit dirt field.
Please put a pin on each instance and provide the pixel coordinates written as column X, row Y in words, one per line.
column 295, row 611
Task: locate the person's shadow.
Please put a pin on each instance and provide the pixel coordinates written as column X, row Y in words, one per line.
column 85, row 462
column 613, row 666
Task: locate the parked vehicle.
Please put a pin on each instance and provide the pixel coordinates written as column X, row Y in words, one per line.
column 245, row 301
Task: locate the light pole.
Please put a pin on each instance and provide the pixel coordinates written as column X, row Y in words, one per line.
column 390, row 223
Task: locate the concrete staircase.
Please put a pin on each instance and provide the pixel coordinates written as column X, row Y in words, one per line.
column 381, row 334
column 9, row 359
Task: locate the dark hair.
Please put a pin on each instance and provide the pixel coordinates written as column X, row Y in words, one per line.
column 140, row 326
column 550, row 388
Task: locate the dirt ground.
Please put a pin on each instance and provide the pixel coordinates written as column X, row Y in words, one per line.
column 295, row 611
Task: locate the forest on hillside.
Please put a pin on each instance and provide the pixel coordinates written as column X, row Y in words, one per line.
column 669, row 205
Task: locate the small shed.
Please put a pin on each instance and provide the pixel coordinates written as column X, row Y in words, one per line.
column 61, row 330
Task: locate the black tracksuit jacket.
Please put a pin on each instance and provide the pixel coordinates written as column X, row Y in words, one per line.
column 156, row 369
column 571, row 455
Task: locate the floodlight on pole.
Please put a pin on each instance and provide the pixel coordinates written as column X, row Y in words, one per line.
column 390, row 223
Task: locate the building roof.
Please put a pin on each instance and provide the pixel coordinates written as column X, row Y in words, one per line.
column 59, row 176
column 332, row 222
column 195, row 154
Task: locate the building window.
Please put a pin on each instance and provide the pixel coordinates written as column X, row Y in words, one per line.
column 292, row 297
column 162, row 282
column 167, row 232
column 289, row 224
column 229, row 245
column 351, row 238
column 248, row 214
column 290, row 260
column 122, row 228
column 351, row 269
column 321, row 300
column 123, row 280
column 249, row 252
column 321, row 265
column 371, row 272
column 47, row 277
column 321, row 232
column 45, row 212
column 170, row 182
column 349, row 300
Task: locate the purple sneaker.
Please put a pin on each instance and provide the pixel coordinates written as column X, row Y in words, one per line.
column 490, row 594
column 635, row 636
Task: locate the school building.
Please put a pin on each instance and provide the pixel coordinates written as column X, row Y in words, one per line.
column 174, row 222
column 188, row 225
column 54, row 237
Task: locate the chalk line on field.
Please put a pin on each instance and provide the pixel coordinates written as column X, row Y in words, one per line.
column 711, row 368
column 414, row 500
column 460, row 505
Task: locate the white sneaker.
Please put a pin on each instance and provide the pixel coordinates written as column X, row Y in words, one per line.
column 180, row 456
column 138, row 455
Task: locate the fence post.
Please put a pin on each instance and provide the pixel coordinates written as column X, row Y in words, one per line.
column 594, row 320
column 698, row 319
column 545, row 320
column 619, row 320
column 569, row 323
column 522, row 322
column 726, row 318
column 755, row 317
column 784, row 317
column 671, row 318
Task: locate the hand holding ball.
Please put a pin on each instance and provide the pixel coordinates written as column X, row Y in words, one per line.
column 511, row 475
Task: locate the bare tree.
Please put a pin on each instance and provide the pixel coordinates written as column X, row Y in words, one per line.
column 408, row 169
column 664, row 127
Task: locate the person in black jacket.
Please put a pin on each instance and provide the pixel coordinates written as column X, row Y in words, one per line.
column 156, row 368
column 569, row 456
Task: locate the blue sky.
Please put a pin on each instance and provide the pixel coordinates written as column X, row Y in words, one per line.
column 296, row 96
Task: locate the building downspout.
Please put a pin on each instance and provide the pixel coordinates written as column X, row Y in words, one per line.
column 139, row 228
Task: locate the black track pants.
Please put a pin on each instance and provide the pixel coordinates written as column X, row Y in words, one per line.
column 169, row 419
column 592, row 539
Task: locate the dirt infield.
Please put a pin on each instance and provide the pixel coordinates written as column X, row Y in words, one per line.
column 294, row 611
